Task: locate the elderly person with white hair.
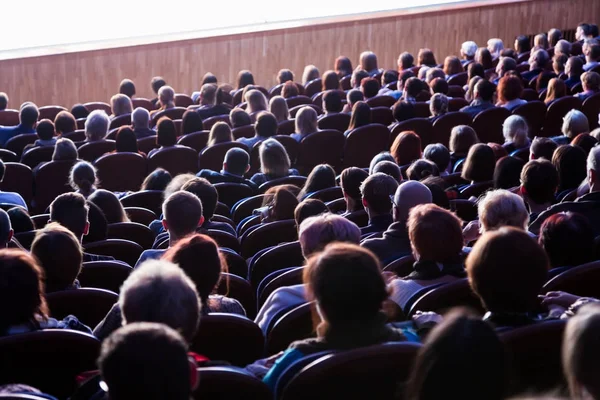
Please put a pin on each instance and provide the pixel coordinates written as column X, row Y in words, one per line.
column 314, row 234
column 562, row 47
column 166, row 99
column 515, row 131
column 467, row 52
column 140, row 122
column 574, row 123
column 495, row 46
column 593, row 176
column 120, row 104
column 96, row 126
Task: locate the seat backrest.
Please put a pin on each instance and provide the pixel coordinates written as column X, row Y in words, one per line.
column 37, row 155
column 286, row 127
column 48, row 360
column 172, row 113
column 476, row 189
column 465, row 209
column 590, row 108
column 143, row 103
column 49, row 112
column 580, row 280
column 76, row 136
column 322, row 147
column 529, row 94
column 195, row 140
column 51, row 180
column 267, row 235
column 298, row 100
column 246, row 131
column 230, row 383
column 145, row 145
column 122, row 250
column 110, row 171
column 212, row 157
column 276, row 258
column 9, row 117
column 278, row 279
column 443, row 126
column 556, row 112
column 244, row 207
column 120, row 121
column 382, row 115
column 534, row 113
column 456, row 91
column 132, row 231
column 364, row 143
column 177, row 160
column 286, row 180
column 98, row 105
column 238, row 288
column 231, row 193
column 422, row 109
column 313, row 87
column 381, row 101
column 16, row 144
column 372, row 372
column 90, row 305
column 421, row 126
column 224, row 239
column 140, row 215
column 149, row 199
column 442, row 298
column 326, row 195
column 8, row 156
column 360, row 218
column 94, row 150
column 488, row 124
column 291, row 145
column 459, row 79
column 229, row 337
column 296, row 324
column 183, row 100
column 455, row 104
column 345, row 82
column 402, row 267
column 107, row 275
column 337, row 121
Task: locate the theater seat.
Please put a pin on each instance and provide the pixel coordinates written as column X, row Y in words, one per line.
column 230, row 383
column 171, row 113
column 149, row 199
column 147, row 144
column 177, row 160
column 245, row 207
column 231, row 193
column 122, row 250
column 9, row 117
column 183, row 100
column 212, row 157
column 286, row 127
column 111, row 167
column 534, row 113
column 89, row 305
column 98, row 105
column 298, row 181
column 16, row 144
column 94, row 150
column 133, row 232
column 581, row 281
column 296, row 324
column 402, row 267
column 444, row 124
column 51, row 180
column 37, row 155
column 442, row 298
column 381, row 101
column 107, row 275
column 278, row 279
column 49, row 112
column 238, row 288
column 243, row 132
column 322, row 147
column 326, row 195
column 195, row 140
column 337, row 121
column 276, row 258
column 121, row 120
column 364, row 143
column 556, row 112
column 143, row 103
column 18, row 178
column 421, row 126
column 267, row 235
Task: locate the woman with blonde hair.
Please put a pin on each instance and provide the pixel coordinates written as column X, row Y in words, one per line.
column 310, row 73
column 120, row 105
column 220, row 133
column 306, row 123
column 65, row 149
column 556, row 89
column 274, row 162
column 515, row 131
column 278, row 107
column 256, row 101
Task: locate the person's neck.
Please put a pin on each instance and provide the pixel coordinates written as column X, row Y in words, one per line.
column 538, row 208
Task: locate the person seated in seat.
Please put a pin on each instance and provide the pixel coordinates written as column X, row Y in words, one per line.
column 495, row 46
column 539, row 181
column 574, row 123
column 438, row 154
column 140, row 122
column 351, row 180
column 166, row 135
column 510, row 89
column 265, row 127
column 376, row 191
column 59, row 253
column 278, row 107
column 45, row 132
column 309, row 208
column 82, row 178
column 507, row 269
column 453, row 65
column 406, row 148
column 394, row 243
column 120, row 104
column 479, row 164
column 235, row 165
column 149, row 361
column 343, row 66
column 280, row 204
column 110, row 205
column 592, row 57
column 80, row 111
column 348, row 321
column 438, row 106
column 537, row 63
column 157, row 180
column 166, row 99
column 542, row 147
column 467, row 52
column 126, row 142
column 20, row 220
column 573, row 70
column 96, row 126
column 330, row 81
column 439, row 85
column 6, row 230
column 484, row 98
column 419, row 170
column 570, row 162
column 388, row 77
column 64, row 122
column 515, row 131
column 257, row 101
column 556, row 90
column 127, row 87
column 28, row 116
column 192, row 122
column 321, row 177
column 353, row 97
column 306, row 123
column 10, row 197
column 209, row 107
column 274, row 162
column 65, row 150
column 71, row 211
column 361, row 116
column 219, row 133
column 3, row 101
column 590, row 82
column 310, row 73
column 369, row 87
column 389, row 168
column 332, row 102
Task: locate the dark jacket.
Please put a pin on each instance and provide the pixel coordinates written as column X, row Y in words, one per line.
column 225, row 177
column 572, row 81
column 379, row 223
column 207, row 112
column 143, row 133
column 529, row 75
column 393, row 245
column 476, row 107
column 259, row 178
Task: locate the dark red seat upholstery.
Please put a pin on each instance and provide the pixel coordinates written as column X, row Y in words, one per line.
column 286, row 127
column 534, row 113
column 107, row 275
column 122, row 250
column 363, row 143
column 177, row 160
column 455, row 104
column 455, row 91
column 337, row 121
column 37, row 155
column 230, row 383
column 291, row 145
column 382, row 115
column 422, row 109
column 145, row 145
column 297, row 101
column 120, row 121
column 381, row 101
column 183, row 100
column 212, row 157
column 313, row 87
column 172, row 113
column 488, row 124
column 143, row 103
column 209, row 122
column 402, row 266
column 476, row 189
column 244, row 207
column 274, row 259
column 132, row 231
column 9, row 117
column 246, row 131
column 94, row 150
column 90, row 305
column 591, row 108
column 323, row 147
column 556, row 112
column 297, row 324
column 267, row 235
column 443, row 126
column 421, row 126
column 529, row 94
column 16, row 144
column 286, row 180
column 224, row 239
column 111, row 167
column 459, row 79
column 581, row 280
column 98, row 105
column 149, row 199
column 278, row 279
column 326, row 195
column 236, row 264
column 443, row 298
column 238, row 288
column 49, row 112
column 231, row 193
column 195, row 140
column 51, row 180
column 76, row 136
column 229, row 337
column 48, row 360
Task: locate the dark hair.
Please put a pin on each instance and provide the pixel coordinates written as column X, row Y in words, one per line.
column 403, row 77
column 568, row 239
column 71, row 211
column 266, row 124
column 462, row 358
column 484, row 57
column 479, row 164
column 350, row 181
column 403, row 110
column 543, row 147
column 29, row 114
column 156, row 83
column 370, row 87
column 321, row 177
column 3, row 101
column 330, row 80
column 554, row 35
column 146, row 361
column 191, row 122
column 594, row 30
column 209, row 77
column 570, row 162
column 421, row 169
column 309, row 208
column 509, row 88
column 207, row 194
column 376, row 191
column 585, row 28
column 110, row 205
column 183, row 211
column 45, row 129
column 523, row 44
column 332, row 101
column 335, row 276
column 413, row 87
column 585, row 141
column 389, row 76
column 389, row 168
column 439, row 85
column 79, row 111
column 244, row 79
column 289, row 89
column 65, row 122
column 475, row 69
column 285, row 75
column 361, row 115
column 485, row 90
column 507, row 269
column 508, row 172
column 539, row 181
column 157, row 180
column 542, row 80
column 576, row 65
column 510, row 53
column 126, row 141
column 436, row 186
column 281, row 202
column 426, row 57
column 237, row 161
column 355, row 95
column 343, row 66
column 166, row 133
column 239, row 117
column 358, row 76
column 406, row 60
column 127, row 87
column 20, row 220
column 406, row 148
column 439, row 154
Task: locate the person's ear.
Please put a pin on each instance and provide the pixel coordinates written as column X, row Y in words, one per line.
column 86, row 229
column 194, row 375
column 11, row 233
column 165, row 224
column 523, row 191
column 201, row 221
column 364, row 203
column 592, row 176
column 247, row 168
column 224, row 166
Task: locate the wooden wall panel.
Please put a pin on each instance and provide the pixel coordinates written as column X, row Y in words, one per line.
column 85, row 76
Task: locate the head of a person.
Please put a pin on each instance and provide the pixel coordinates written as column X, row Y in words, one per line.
column 157, row 180
column 244, row 79
column 484, row 57
column 274, row 160
column 182, row 214
column 438, row 154
column 126, row 141
column 462, row 138
column 594, row 52
column 505, row 65
column 206, row 193
column 438, row 104
column 82, row 178
column 403, row 110
column 433, row 73
column 45, row 129
column 306, row 121
column 3, row 101
column 309, row 208
column 209, row 77
column 332, row 101
column 509, row 88
column 208, row 94
column 140, row 118
column 593, row 168
column 590, row 81
column 28, row 115
column 408, row 195
column 343, row 66
column 236, row 161
column 316, row 232
column 405, row 61
column 191, row 122
column 361, row 115
column 166, row 96
column 475, row 69
column 574, row 67
column 383, row 156
column 515, row 131
column 223, row 95
column 496, row 259
column 568, row 239
column 484, row 90
column 539, row 59
column 79, row 111
column 23, row 295
column 354, row 96
column 96, row 126
column 554, row 35
column 120, row 104
column 310, row 73
column 470, row 95
column 426, row 224
column 59, row 253
column 281, row 203
column 426, row 57
column 166, row 133
column 539, row 182
column 176, row 184
column 508, row 172
column 285, row 75
column 331, row 81
column 389, row 76
column 20, row 220
column 495, row 46
column 412, row 87
column 146, row 360
column 357, row 78
column 559, row 63
column 499, row 208
column 368, row 61
column 403, row 77
column 266, row 125
column 370, row 87
column 453, row 66
column 406, row 148
column 582, row 31
column 468, row 50
column 562, row 47
column 156, row 83
column 462, row 357
column 278, row 107
column 321, row 177
column 421, row 169
column 570, row 162
column 6, row 230
column 351, row 180
column 479, row 164
column 439, row 85
column 556, row 89
column 239, row 117
column 256, row 101
column 64, row 122
column 110, row 205
column 376, row 191
column 542, row 147
column 64, row 149
column 220, row 133
column 574, row 123
column 389, row 168
column 522, row 44
column 586, row 141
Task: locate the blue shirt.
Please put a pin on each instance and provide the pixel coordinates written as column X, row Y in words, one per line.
column 152, row 254
column 12, row 198
column 8, row 132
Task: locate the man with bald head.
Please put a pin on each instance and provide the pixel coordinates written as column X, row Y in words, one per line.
column 6, row 231
column 394, row 242
column 235, row 165
column 28, row 116
column 140, row 122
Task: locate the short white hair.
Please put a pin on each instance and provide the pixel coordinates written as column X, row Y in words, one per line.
column 140, row 118
column 562, row 46
column 574, row 123
column 495, row 45
column 593, row 160
column 96, row 125
column 500, row 208
column 515, row 130
column 469, row 48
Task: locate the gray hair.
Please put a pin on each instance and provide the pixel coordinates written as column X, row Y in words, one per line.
column 574, row 123
column 159, row 291
column 140, row 118
column 515, row 130
column 120, row 104
column 593, row 160
column 469, row 48
column 500, row 208
column 96, row 125
column 306, row 121
column 438, row 104
column 562, row 47
column 317, row 232
column 65, row 149
column 310, row 72
column 495, row 46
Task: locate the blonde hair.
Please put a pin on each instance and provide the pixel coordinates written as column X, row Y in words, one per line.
column 256, row 101
column 306, row 121
column 500, row 208
column 64, row 149
column 317, row 232
column 278, row 107
column 166, row 97
column 462, row 137
column 515, row 130
column 220, row 133
column 274, row 160
column 121, row 104
column 310, row 73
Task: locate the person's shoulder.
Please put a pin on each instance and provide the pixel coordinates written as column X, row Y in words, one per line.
column 208, row 174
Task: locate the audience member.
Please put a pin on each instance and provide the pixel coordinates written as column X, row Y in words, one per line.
column 120, row 104
column 45, row 133
column 20, row 220
column 462, row 138
column 425, row 57
column 438, row 106
column 3, row 101
column 586, row 141
column 79, row 111
column 285, row 75
column 421, row 169
column 479, row 164
column 28, row 116
column 110, row 205
column 309, row 208
column 10, row 197
column 406, row 148
column 274, row 162
column 278, row 107
column 542, row 147
column 127, row 87
column 279, row 204
column 573, row 70
column 306, row 123
column 64, row 122
column 321, row 177
column 140, row 122
column 351, row 180
column 343, row 66
column 403, row 111
column 483, row 98
column 82, row 178
column 96, row 126
column 310, row 73
column 166, row 99
column 376, row 192
column 495, row 46
column 6, row 230
column 265, row 127
column 510, row 89
column 126, row 142
column 235, row 165
column 389, row 168
column 156, row 83
column 508, row 172
column 515, row 131
column 65, row 150
column 192, row 122
column 569, row 161
column 592, row 57
column 244, row 79
column 239, row 118
column 357, row 78
column 361, row 116
column 484, row 57
column 467, row 52
column 539, row 182
column 590, row 82
column 219, row 133
column 332, row 102
column 331, row 81
column 439, row 155
column 156, row 180
column 166, row 135
column 556, row 90
column 289, row 90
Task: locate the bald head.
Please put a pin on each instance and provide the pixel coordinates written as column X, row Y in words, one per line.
column 140, row 118
column 6, row 231
column 408, row 195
